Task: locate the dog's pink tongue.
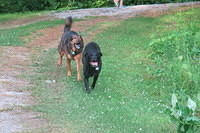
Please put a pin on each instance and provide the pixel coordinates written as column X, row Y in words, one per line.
column 94, row 63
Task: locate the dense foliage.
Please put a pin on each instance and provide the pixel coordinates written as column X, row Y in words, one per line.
column 34, row 5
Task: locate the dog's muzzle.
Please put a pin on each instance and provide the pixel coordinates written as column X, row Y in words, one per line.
column 77, row 47
column 95, row 64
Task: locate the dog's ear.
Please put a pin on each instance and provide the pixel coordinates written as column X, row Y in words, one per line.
column 82, row 42
column 81, row 38
column 86, row 54
column 85, row 58
column 71, row 38
column 100, row 54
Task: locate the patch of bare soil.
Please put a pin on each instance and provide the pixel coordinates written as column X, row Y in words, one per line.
column 13, row 118
column 50, row 37
column 15, row 61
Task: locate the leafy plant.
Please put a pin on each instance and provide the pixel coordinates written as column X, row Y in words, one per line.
column 184, row 111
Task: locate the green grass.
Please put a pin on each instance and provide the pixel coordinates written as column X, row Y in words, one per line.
column 129, row 94
column 16, row 16
column 13, row 36
column 176, row 53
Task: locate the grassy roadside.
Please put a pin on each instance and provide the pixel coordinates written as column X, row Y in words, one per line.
column 13, row 36
column 131, row 88
column 16, row 16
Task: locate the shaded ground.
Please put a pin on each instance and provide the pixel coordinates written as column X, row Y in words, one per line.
column 16, row 61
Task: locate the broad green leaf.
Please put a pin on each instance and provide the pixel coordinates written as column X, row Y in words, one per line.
column 191, row 104
column 174, row 100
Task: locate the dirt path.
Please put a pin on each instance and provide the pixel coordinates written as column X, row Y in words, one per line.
column 129, row 11
column 16, row 61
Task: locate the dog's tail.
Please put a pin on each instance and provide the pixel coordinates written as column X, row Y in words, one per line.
column 68, row 24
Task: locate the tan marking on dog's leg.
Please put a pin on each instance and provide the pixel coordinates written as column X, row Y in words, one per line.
column 59, row 63
column 78, row 66
column 69, row 69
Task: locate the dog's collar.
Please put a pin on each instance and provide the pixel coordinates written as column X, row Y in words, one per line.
column 97, row 68
column 74, row 53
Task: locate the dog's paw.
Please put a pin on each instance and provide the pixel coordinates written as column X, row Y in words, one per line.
column 88, row 90
column 79, row 79
column 59, row 65
column 69, row 74
column 92, row 87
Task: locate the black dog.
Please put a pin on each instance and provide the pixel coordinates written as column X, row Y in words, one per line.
column 91, row 64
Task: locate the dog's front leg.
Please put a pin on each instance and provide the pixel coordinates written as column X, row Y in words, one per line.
column 86, row 83
column 69, row 69
column 95, row 80
column 78, row 66
column 59, row 63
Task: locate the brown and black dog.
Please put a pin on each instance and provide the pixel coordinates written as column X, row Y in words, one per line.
column 71, row 45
